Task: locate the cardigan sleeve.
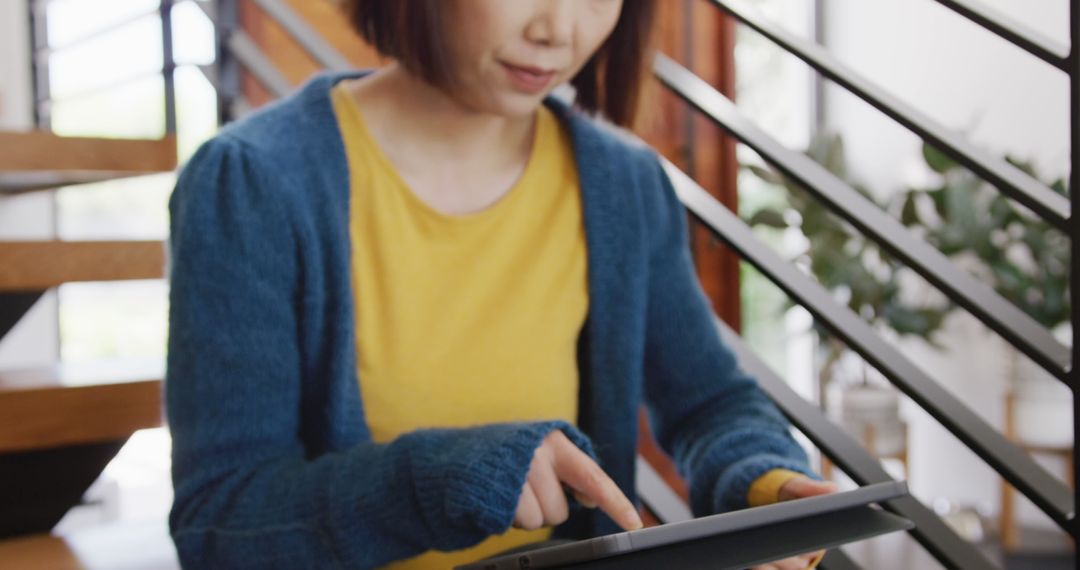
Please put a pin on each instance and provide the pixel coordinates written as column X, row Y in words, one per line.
column 709, row 415
column 247, row 494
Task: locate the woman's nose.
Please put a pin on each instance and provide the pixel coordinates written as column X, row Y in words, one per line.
column 553, row 23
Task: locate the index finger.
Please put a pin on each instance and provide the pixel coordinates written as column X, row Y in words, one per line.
column 575, row 468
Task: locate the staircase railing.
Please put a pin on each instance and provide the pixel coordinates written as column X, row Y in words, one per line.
column 1050, row 495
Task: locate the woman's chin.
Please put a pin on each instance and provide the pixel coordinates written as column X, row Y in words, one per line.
column 518, row 104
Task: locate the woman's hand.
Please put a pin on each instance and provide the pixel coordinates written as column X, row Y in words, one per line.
column 559, row 462
column 802, row 486
column 798, row 488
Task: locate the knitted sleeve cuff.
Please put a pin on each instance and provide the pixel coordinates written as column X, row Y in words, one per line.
column 765, row 490
column 733, row 487
column 468, row 482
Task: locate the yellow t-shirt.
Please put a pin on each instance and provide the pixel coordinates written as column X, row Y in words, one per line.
column 466, row 319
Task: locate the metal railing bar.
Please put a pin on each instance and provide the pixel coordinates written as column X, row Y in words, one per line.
column 1012, row 181
column 168, row 72
column 39, row 71
column 210, row 73
column 208, row 8
column 240, row 108
column 1030, row 40
column 1074, row 230
column 249, row 55
column 309, row 39
column 837, row 444
column 228, row 72
column 658, row 496
column 1049, row 494
column 982, row 301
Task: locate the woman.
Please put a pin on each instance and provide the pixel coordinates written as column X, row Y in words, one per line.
column 414, row 308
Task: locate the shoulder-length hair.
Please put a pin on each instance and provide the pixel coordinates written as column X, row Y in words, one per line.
column 612, row 82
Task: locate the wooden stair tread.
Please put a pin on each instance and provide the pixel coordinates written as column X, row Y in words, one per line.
column 68, row 404
column 38, row 265
column 74, row 375
column 146, row 546
column 43, row 151
column 12, row 183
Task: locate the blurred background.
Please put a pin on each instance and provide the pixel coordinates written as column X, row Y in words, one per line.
column 100, row 102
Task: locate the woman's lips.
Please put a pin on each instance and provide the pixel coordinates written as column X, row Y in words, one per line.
column 528, row 79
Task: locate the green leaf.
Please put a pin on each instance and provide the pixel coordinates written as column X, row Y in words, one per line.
column 938, row 161
column 1025, row 166
column 768, row 217
column 909, row 214
column 1009, row 277
column 939, row 199
column 834, row 160
column 766, row 174
column 1001, row 211
column 1059, row 187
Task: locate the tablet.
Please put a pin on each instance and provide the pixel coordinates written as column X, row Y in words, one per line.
column 686, row 531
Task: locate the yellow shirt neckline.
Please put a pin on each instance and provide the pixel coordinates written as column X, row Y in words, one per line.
column 542, row 131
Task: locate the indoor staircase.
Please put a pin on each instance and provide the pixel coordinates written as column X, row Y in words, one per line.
column 63, row 423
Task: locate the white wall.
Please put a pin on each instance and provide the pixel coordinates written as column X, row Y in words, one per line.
column 29, row 216
column 1007, row 102
column 952, row 70
column 15, row 98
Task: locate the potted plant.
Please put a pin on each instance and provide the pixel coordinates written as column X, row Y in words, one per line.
column 868, row 281
column 1024, row 259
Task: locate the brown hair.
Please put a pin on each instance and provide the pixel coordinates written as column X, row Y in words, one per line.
column 613, row 82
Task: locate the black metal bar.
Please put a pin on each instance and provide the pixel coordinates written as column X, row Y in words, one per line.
column 1028, row 39
column 1074, row 232
column 210, row 73
column 307, row 37
column 168, row 65
column 39, row 69
column 241, row 108
column 1010, row 180
column 226, row 17
column 209, row 9
column 937, row 537
column 982, row 301
column 1049, row 494
column 662, row 501
column 817, row 81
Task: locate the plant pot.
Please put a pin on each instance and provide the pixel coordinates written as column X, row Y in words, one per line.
column 1042, row 407
column 871, row 414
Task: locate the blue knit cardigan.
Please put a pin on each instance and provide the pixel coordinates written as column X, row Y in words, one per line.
column 273, row 463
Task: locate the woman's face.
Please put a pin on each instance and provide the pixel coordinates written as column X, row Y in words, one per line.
column 509, row 54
